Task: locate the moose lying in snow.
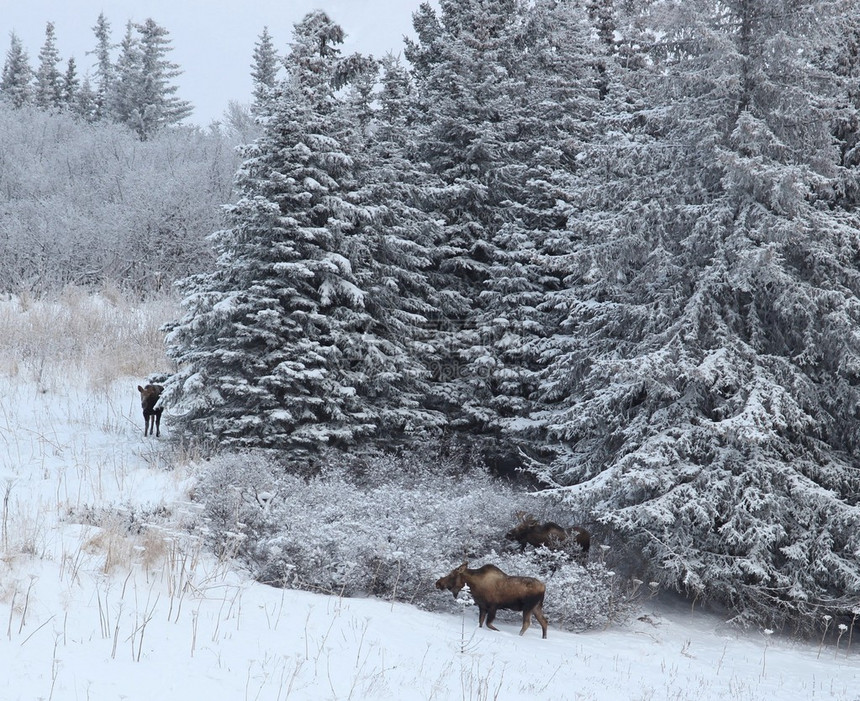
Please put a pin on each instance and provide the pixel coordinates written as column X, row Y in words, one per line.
column 529, row 532
column 149, row 397
column 492, row 589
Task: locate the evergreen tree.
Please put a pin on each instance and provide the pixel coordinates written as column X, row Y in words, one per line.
column 398, row 244
column 603, row 17
column 704, row 405
column 142, row 96
column 468, row 86
column 71, row 85
column 160, row 106
column 563, row 78
column 264, row 72
column 125, row 81
column 280, row 347
column 508, row 94
column 104, row 72
column 15, row 82
column 49, row 80
column 843, row 58
column 86, row 101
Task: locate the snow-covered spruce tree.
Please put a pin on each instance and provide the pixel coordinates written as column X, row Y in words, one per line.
column 48, row 93
column 264, row 72
column 563, row 75
column 159, row 105
column 706, row 403
column 104, row 73
column 15, row 82
column 843, row 57
column 141, row 94
column 285, row 344
column 85, row 104
column 509, row 92
column 71, row 86
column 125, row 80
column 466, row 64
column 397, row 248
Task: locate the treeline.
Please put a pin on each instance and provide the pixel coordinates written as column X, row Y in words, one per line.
column 613, row 243
column 132, row 86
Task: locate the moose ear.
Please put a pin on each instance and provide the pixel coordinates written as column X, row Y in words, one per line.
column 139, row 388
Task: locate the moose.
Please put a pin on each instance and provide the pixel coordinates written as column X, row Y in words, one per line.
column 492, row 589
column 149, row 397
column 529, row 532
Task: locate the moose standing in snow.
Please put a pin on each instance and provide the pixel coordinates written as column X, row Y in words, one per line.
column 149, row 397
column 492, row 589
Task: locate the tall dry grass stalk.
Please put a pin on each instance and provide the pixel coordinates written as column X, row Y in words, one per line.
column 100, row 336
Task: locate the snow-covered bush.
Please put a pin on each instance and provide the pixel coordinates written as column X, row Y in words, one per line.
column 386, row 527
column 90, row 204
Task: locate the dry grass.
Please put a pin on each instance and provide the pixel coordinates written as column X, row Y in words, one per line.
column 101, row 337
column 121, row 549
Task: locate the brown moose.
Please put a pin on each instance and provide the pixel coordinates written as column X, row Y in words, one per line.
column 492, row 589
column 149, row 397
column 529, row 532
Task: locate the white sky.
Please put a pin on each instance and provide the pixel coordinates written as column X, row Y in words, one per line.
column 212, row 40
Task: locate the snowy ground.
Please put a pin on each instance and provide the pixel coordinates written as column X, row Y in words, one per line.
column 103, row 612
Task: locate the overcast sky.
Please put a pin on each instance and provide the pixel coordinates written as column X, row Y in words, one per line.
column 213, row 40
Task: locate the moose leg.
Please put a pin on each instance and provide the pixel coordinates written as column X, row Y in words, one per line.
column 145, row 424
column 541, row 619
column 158, row 422
column 482, row 614
column 491, row 616
column 527, row 620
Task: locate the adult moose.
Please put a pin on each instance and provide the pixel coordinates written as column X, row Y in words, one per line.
column 492, row 589
column 149, row 397
column 529, row 532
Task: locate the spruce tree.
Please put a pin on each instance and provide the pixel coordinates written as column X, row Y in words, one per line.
column 124, row 84
column 563, row 77
column 86, row 103
column 104, row 71
column 264, row 71
column 48, row 92
column 16, row 80
column 142, row 95
column 508, row 94
column 159, row 105
column 283, row 345
column 397, row 243
column 464, row 63
column 71, row 85
column 704, row 403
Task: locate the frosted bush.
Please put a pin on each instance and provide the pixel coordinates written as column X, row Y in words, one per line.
column 386, row 527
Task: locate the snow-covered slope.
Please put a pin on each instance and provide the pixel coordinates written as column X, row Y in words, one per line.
column 94, row 607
